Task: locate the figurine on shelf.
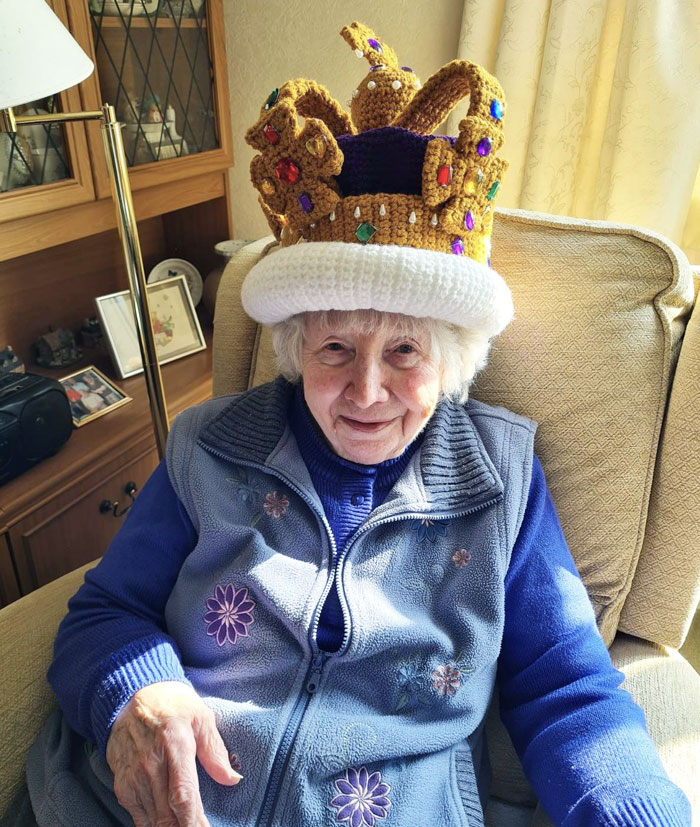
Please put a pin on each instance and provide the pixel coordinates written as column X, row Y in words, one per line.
column 15, row 162
column 151, row 111
column 10, row 361
column 56, row 349
column 47, row 150
column 150, row 133
column 90, row 333
column 123, row 8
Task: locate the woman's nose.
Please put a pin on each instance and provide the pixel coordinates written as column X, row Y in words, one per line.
column 367, row 384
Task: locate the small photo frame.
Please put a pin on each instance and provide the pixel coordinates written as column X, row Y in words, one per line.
column 91, row 394
column 175, row 325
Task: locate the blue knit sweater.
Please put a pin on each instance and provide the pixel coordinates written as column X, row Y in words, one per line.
column 581, row 739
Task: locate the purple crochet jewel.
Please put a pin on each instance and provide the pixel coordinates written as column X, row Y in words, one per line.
column 378, row 66
column 305, row 202
column 457, row 246
column 484, row 146
column 229, row 614
column 407, row 68
column 362, row 798
column 469, row 220
column 375, row 44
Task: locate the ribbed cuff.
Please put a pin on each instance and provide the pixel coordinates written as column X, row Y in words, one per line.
column 147, row 661
column 673, row 811
column 644, row 802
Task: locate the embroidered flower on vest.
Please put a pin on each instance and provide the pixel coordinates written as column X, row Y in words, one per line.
column 461, row 557
column 447, row 679
column 409, row 684
column 229, row 615
column 245, row 489
column 362, row 798
column 432, row 529
column 275, row 504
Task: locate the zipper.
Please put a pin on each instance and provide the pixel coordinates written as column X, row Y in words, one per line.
column 284, row 750
column 320, row 658
column 340, row 559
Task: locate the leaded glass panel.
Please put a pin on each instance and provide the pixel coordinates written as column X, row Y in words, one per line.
column 154, row 65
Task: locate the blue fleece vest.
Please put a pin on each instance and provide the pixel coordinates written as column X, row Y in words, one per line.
column 380, row 732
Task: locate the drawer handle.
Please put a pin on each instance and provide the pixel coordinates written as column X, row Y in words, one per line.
column 106, row 506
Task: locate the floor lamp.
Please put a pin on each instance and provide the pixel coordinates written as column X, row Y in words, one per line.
column 38, row 58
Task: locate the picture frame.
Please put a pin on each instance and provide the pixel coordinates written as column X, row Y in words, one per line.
column 91, row 395
column 176, row 328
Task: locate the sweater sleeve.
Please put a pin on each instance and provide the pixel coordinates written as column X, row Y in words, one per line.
column 113, row 641
column 582, row 740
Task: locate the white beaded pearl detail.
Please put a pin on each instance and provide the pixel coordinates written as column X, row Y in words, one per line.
column 359, row 53
column 416, row 84
column 396, row 84
column 371, row 85
column 382, row 210
column 355, row 92
column 357, row 212
column 331, row 217
column 433, row 220
column 412, row 218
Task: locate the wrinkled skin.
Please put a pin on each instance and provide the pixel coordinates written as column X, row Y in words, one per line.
column 152, row 749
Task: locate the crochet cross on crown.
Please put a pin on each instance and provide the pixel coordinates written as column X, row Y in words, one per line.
column 378, row 175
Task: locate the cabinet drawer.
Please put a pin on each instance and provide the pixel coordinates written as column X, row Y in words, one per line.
column 72, row 529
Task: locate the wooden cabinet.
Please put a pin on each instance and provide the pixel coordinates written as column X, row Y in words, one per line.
column 71, row 529
column 59, row 249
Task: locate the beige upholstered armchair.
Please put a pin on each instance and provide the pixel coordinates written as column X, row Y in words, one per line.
column 605, row 354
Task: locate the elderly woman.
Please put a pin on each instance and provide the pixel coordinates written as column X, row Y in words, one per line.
column 303, row 618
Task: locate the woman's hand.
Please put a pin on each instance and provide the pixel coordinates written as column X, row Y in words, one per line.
column 152, row 749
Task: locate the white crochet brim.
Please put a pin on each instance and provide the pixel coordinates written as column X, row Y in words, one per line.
column 336, row 275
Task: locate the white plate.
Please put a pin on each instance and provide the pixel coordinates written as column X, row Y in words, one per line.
column 178, row 266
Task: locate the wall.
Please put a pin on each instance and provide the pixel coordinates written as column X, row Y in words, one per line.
column 270, row 42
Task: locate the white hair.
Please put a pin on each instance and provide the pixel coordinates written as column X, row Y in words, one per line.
column 458, row 352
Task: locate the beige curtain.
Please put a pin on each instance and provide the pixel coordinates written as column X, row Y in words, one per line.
column 603, row 107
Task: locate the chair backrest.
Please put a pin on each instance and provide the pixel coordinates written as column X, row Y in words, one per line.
column 601, row 310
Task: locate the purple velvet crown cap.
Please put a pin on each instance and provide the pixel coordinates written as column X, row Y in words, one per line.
column 388, row 159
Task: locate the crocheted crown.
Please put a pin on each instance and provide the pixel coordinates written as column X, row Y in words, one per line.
column 378, row 175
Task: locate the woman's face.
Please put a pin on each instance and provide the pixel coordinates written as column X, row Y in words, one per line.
column 371, row 394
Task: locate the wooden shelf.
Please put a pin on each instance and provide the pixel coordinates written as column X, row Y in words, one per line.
column 186, row 381
column 147, row 23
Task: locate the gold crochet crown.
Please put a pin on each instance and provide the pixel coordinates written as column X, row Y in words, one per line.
column 378, row 175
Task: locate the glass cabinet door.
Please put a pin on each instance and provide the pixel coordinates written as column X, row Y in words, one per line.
column 154, row 65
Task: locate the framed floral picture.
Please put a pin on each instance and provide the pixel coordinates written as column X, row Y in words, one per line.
column 91, row 394
column 176, row 327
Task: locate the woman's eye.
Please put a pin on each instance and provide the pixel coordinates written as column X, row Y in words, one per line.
column 334, row 346
column 405, row 348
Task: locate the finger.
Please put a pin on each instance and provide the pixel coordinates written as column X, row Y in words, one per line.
column 213, row 755
column 158, row 778
column 183, row 794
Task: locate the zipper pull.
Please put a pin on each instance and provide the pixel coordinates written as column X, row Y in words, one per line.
column 315, row 677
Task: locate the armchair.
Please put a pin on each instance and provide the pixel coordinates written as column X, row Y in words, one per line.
column 605, row 354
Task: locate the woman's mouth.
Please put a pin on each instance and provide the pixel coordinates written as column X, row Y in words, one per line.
column 366, row 427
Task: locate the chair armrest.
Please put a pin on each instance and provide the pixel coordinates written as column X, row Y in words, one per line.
column 667, row 688
column 27, row 631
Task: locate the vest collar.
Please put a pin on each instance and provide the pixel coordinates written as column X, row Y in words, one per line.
column 455, row 469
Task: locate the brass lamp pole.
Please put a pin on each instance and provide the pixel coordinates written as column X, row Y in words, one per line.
column 131, row 248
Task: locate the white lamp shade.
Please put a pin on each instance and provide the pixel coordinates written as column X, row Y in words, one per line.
column 38, row 56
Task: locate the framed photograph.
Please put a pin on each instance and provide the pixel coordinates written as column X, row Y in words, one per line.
column 91, row 394
column 175, row 325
